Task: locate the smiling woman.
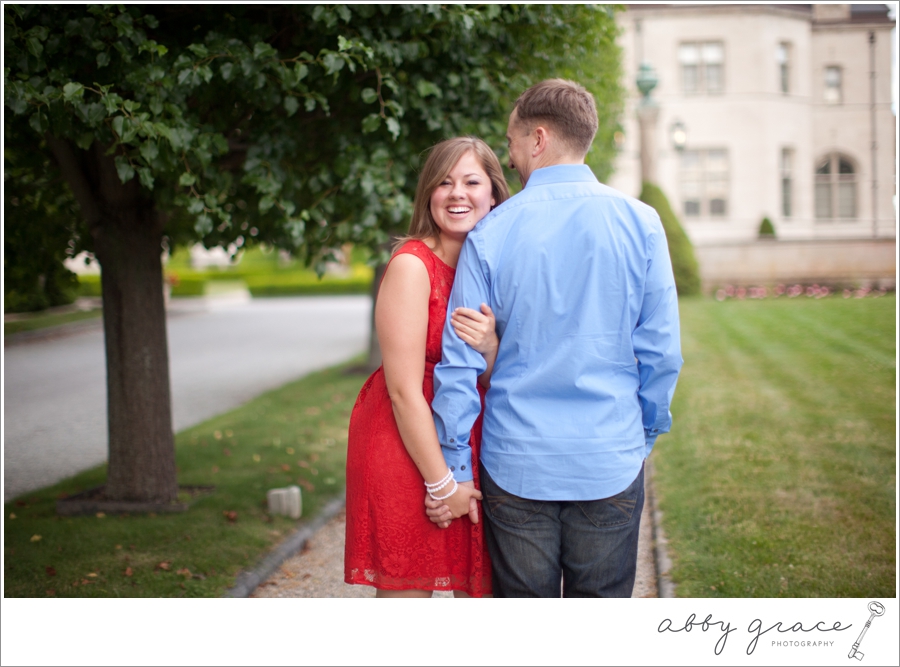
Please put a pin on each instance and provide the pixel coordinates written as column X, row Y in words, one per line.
column 392, row 447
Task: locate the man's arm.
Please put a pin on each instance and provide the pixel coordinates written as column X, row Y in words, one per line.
column 657, row 341
column 456, row 402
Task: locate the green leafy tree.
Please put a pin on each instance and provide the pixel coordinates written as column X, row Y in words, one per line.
column 766, row 229
column 300, row 126
column 681, row 252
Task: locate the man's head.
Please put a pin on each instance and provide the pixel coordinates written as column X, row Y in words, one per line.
column 553, row 122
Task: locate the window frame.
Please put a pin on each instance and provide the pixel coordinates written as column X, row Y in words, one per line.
column 831, row 181
column 702, row 63
column 705, row 183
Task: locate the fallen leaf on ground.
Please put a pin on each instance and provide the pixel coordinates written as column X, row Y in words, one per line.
column 35, row 538
column 92, row 574
column 101, row 515
column 313, row 457
column 306, row 576
column 184, row 572
column 285, row 466
column 290, row 451
column 12, row 516
column 51, row 571
column 226, row 451
column 128, row 572
column 231, row 516
column 215, row 469
column 21, row 503
column 164, row 565
column 199, row 576
column 257, row 458
column 303, row 464
column 118, row 546
column 51, row 592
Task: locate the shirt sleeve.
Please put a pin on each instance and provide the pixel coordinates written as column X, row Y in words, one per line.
column 657, row 340
column 456, row 402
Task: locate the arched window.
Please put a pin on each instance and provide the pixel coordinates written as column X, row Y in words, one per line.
column 835, row 188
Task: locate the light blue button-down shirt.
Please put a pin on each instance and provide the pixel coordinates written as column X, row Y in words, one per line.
column 580, row 280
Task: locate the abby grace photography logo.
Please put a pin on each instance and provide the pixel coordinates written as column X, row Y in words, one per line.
column 799, row 634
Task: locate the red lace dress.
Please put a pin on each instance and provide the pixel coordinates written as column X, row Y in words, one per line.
column 391, row 544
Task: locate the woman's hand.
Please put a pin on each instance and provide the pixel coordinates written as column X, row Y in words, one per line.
column 476, row 329
column 463, row 502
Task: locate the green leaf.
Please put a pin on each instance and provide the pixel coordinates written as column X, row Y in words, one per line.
column 102, row 59
column 344, row 12
column 426, row 88
column 226, row 70
column 310, row 104
column 34, row 46
column 187, row 179
column 184, row 74
column 371, row 123
column 84, row 141
column 300, row 71
column 291, row 105
column 18, row 104
column 156, row 106
column 263, row 50
column 393, row 127
column 265, row 203
column 118, row 125
column 198, row 50
column 38, row 122
column 146, row 176
column 203, row 225
column 149, row 151
column 124, row 169
column 333, row 62
column 368, row 95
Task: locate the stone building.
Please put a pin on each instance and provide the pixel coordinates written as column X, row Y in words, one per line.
column 779, row 111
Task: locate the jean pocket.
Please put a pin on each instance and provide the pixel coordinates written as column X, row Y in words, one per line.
column 512, row 510
column 616, row 510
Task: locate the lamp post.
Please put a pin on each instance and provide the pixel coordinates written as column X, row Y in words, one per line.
column 648, row 113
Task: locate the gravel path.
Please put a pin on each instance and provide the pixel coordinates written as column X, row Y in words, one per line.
column 318, row 570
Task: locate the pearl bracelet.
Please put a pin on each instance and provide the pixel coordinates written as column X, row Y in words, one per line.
column 455, row 487
column 437, row 486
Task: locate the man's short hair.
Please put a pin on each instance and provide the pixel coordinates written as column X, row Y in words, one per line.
column 566, row 107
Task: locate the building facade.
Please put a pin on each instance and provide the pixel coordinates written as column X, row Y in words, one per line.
column 781, row 111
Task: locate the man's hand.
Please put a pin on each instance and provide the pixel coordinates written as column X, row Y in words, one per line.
column 464, row 501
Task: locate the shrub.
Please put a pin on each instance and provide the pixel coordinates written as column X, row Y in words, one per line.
column 684, row 263
column 766, row 230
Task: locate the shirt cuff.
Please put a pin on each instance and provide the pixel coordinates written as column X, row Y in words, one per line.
column 649, row 440
column 459, row 462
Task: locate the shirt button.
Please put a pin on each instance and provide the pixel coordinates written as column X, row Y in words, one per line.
column 452, row 469
column 462, row 467
column 452, row 440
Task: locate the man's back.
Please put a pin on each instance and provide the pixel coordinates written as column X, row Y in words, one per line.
column 579, row 278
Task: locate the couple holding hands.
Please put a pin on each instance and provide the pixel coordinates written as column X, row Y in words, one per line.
column 531, row 348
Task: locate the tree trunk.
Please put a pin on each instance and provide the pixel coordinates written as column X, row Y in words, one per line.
column 374, row 359
column 127, row 232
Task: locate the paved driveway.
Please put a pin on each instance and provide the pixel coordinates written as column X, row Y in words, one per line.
column 222, row 353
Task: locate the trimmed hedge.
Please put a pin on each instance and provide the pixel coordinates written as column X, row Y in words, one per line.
column 766, row 230
column 684, row 263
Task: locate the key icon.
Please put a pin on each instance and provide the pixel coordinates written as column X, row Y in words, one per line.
column 876, row 609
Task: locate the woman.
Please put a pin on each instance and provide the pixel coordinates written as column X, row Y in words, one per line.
column 393, row 447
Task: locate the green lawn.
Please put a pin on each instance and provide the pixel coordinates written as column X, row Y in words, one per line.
column 43, row 320
column 778, row 478
column 293, row 435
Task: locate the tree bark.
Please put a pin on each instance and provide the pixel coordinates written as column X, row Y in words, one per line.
column 374, row 359
column 127, row 231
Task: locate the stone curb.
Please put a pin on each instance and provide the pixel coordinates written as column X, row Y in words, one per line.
column 664, row 584
column 247, row 582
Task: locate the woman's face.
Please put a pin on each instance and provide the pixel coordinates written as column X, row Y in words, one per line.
column 462, row 198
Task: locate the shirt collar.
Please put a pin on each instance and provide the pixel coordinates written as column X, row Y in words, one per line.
column 561, row 173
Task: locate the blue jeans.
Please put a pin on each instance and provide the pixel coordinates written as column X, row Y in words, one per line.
column 590, row 545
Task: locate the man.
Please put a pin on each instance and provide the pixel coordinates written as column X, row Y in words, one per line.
column 579, row 279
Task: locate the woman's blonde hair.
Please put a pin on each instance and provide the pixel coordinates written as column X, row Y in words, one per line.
column 441, row 160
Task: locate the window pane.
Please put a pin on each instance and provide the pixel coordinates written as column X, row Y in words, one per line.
column 786, row 162
column 713, row 53
column 824, row 167
column 781, row 54
column 833, row 85
column 786, row 197
column 688, row 54
column 691, row 207
column 823, row 200
column 844, row 166
column 714, row 79
column 784, row 78
column 847, row 200
column 689, row 78
column 717, row 207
